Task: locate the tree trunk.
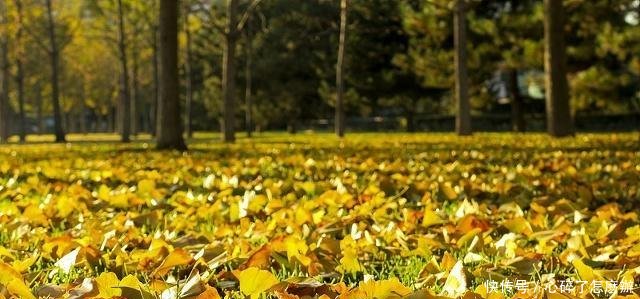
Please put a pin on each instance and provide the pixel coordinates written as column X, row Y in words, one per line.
column 4, row 77
column 463, row 114
column 55, row 63
column 134, row 96
column 168, row 126
column 20, row 73
column 125, row 105
column 410, row 115
column 189, row 85
column 248, row 121
column 155, row 97
column 84, row 128
column 559, row 120
column 291, row 127
column 229, row 74
column 517, row 113
column 38, row 104
column 340, row 114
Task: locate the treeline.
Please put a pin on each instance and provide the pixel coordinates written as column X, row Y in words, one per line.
column 170, row 67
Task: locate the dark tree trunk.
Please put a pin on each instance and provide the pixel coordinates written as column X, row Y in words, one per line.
column 55, row 65
column 229, row 74
column 4, row 78
column 517, row 113
column 340, row 114
column 248, row 121
column 291, row 127
column 20, row 74
column 124, row 112
column 112, row 120
column 411, row 125
column 38, row 104
column 189, row 85
column 168, row 126
column 84, row 128
column 155, row 97
column 559, row 120
column 463, row 114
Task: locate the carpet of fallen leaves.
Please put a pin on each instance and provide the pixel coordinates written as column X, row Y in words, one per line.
column 310, row 216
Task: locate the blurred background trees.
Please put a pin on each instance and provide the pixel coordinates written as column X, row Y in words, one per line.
column 94, row 65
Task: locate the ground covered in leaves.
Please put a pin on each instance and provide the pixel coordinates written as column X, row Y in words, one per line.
column 309, row 216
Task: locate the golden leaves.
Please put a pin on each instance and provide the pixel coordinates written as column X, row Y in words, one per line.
column 370, row 210
column 254, row 281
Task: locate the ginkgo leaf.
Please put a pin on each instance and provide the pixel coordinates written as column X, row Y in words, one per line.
column 146, row 186
column 209, row 293
column 584, row 271
column 430, row 218
column 391, row 288
column 107, row 285
column 178, row 257
column 66, row 263
column 13, row 281
column 20, row 289
column 456, row 283
column 254, row 281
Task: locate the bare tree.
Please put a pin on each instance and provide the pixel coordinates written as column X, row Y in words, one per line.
column 559, row 120
column 463, row 113
column 340, row 114
column 168, row 126
column 54, row 56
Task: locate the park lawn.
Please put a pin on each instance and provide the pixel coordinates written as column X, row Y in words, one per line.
column 371, row 216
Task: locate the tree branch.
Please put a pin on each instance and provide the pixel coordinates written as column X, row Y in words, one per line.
column 247, row 14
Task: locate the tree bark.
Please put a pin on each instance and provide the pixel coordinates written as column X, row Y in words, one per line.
column 559, row 120
column 517, row 114
column 168, row 126
column 248, row 121
column 20, row 73
column 229, row 74
column 55, row 64
column 124, row 114
column 134, row 95
column 4, row 77
column 339, row 113
column 155, row 97
column 189, row 84
column 463, row 113
column 38, row 104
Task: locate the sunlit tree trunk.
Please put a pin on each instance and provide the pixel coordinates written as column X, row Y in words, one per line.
column 124, row 113
column 340, row 114
column 517, row 113
column 155, row 97
column 168, row 126
column 229, row 73
column 55, row 65
column 463, row 113
column 559, row 120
